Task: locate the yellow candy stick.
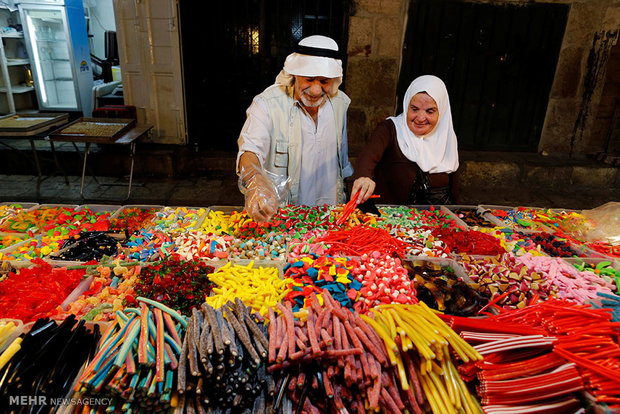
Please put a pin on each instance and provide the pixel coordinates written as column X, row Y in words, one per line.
column 404, row 384
column 430, row 331
column 431, row 394
column 10, row 351
column 469, row 405
column 453, row 391
column 441, row 390
column 390, row 345
column 421, row 344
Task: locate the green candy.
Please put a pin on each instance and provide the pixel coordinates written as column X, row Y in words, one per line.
column 601, row 265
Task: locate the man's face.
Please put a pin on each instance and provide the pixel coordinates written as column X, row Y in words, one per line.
column 312, row 92
column 423, row 114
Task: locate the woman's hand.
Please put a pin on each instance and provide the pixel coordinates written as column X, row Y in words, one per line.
column 365, row 186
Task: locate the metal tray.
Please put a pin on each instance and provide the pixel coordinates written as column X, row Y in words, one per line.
column 9, row 123
column 62, row 134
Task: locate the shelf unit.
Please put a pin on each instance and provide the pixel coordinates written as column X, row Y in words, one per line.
column 16, row 95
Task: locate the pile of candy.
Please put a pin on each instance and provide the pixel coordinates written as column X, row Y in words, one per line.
column 321, row 309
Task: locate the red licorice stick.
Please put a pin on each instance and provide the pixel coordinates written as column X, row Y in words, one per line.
column 414, row 381
column 362, row 240
column 565, row 371
column 588, row 364
column 484, row 336
column 358, row 344
column 374, row 394
column 327, row 383
column 458, row 324
column 337, row 353
column 300, row 344
column 314, row 343
column 300, row 334
column 359, row 373
column 493, row 301
column 521, row 368
column 512, row 343
column 337, row 333
column 394, row 392
column 319, row 321
column 348, row 209
column 301, row 379
column 563, row 388
column 600, row 354
column 336, row 308
column 300, row 354
column 557, row 407
column 287, row 312
column 388, row 402
column 326, row 338
column 272, row 336
column 280, row 333
column 368, row 344
column 349, row 363
column 374, row 338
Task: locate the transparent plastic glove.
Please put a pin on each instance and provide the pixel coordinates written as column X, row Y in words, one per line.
column 263, row 191
column 605, row 223
column 261, row 200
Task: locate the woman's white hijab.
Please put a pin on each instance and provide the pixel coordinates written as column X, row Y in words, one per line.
column 437, row 151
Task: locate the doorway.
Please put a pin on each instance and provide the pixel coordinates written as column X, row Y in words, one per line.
column 101, row 29
column 232, row 50
column 498, row 62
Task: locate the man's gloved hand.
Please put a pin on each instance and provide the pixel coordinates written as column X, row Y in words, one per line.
column 261, row 201
column 261, row 198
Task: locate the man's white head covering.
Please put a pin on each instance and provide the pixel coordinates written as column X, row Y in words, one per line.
column 436, row 152
column 315, row 56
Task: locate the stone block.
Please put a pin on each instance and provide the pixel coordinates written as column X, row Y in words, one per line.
column 559, row 125
column 490, row 175
column 568, row 73
column 357, row 130
column 612, row 17
column 381, row 7
column 593, row 177
column 155, row 165
column 377, row 114
column 584, row 19
column 547, row 176
column 372, row 81
column 360, row 36
column 388, row 35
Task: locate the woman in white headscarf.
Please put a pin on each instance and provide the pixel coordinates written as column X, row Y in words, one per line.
column 411, row 158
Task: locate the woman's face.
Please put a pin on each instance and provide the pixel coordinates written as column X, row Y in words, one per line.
column 423, row 114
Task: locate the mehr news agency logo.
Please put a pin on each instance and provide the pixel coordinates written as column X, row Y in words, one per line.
column 36, row 400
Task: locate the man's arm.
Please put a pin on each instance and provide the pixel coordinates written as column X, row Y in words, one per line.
column 261, row 200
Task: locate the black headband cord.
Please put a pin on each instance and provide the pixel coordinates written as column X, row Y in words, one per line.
column 316, row 51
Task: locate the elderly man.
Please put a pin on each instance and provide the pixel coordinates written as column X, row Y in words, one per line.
column 295, row 133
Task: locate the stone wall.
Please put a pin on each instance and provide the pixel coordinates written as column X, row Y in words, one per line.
column 571, row 127
column 374, row 53
column 607, row 122
column 591, row 32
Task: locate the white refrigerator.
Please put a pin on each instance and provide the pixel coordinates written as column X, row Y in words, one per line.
column 57, row 44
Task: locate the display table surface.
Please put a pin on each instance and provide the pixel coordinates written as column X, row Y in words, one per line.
column 130, row 137
column 36, row 133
